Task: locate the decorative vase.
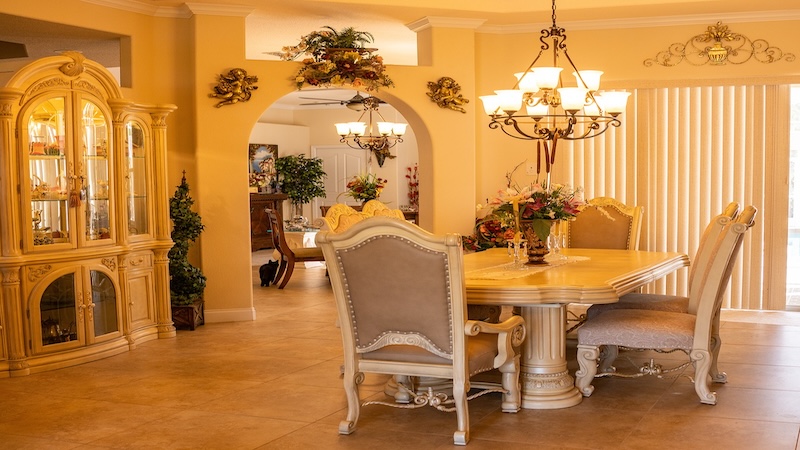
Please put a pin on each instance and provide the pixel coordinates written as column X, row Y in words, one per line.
column 537, row 240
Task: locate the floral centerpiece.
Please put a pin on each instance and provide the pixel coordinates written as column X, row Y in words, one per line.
column 365, row 187
column 338, row 58
column 516, row 211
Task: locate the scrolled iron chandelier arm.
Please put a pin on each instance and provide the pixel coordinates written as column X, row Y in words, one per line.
column 541, row 107
column 359, row 134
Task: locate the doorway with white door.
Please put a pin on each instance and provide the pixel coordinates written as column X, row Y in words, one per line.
column 341, row 163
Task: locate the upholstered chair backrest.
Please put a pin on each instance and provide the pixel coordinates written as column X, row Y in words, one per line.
column 707, row 241
column 717, row 275
column 398, row 284
column 378, row 208
column 340, row 217
column 606, row 223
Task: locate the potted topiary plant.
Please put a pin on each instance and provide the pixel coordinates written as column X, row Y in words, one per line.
column 186, row 282
column 302, row 179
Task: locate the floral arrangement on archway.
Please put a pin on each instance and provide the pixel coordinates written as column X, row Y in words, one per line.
column 338, row 58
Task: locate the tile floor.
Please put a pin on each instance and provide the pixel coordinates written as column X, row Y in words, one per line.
column 274, row 384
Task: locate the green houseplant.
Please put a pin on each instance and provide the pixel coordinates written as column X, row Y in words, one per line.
column 186, row 282
column 301, row 178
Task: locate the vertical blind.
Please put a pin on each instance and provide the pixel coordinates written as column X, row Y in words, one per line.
column 684, row 154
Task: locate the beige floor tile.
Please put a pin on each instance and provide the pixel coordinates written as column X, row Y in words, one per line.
column 275, row 383
column 692, row 432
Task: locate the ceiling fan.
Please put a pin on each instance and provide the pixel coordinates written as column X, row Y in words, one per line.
column 356, row 103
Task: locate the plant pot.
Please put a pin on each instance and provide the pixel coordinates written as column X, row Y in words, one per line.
column 188, row 317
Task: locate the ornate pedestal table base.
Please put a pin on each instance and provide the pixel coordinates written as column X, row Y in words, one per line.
column 546, row 382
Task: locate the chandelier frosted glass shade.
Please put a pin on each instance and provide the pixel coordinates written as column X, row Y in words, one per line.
column 542, row 106
column 361, row 135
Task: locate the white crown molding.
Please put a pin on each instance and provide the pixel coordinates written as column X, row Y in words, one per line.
column 184, row 11
column 649, row 22
column 220, row 10
column 444, row 22
column 127, row 5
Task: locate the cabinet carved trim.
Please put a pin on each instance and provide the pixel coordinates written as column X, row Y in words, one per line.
column 36, row 272
column 111, row 263
column 136, row 261
column 11, row 276
column 47, row 84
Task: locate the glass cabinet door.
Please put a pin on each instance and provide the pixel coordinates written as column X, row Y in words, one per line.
column 58, row 308
column 95, row 171
column 137, row 179
column 104, row 304
column 49, row 180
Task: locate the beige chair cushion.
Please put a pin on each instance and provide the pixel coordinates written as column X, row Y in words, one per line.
column 655, row 302
column 481, row 351
column 638, row 328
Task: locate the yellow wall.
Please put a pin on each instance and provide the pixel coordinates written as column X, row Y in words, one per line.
column 461, row 161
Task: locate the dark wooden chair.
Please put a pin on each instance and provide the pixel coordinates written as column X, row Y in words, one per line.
column 289, row 256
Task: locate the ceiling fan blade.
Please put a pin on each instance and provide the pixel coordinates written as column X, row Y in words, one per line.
column 324, row 99
column 320, row 103
column 11, row 50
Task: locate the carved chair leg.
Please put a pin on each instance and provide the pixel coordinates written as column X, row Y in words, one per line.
column 702, row 366
column 351, row 382
column 587, row 360
column 461, row 436
column 608, row 354
column 510, row 382
column 715, row 345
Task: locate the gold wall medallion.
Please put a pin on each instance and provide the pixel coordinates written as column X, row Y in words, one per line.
column 719, row 46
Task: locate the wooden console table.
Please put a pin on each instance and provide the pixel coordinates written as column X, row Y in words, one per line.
column 260, row 231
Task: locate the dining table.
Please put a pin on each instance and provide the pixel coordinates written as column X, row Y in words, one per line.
column 541, row 293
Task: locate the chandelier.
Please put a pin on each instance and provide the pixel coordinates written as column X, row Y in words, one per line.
column 359, row 134
column 539, row 106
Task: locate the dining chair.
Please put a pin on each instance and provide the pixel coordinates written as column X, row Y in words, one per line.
column 401, row 299
column 674, row 303
column 690, row 332
column 378, row 208
column 340, row 217
column 289, row 256
column 603, row 222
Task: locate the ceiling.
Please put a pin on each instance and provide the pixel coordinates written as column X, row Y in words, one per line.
column 272, row 24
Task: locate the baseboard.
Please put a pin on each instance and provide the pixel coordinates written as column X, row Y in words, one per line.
column 230, row 315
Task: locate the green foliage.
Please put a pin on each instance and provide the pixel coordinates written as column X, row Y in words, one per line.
column 317, row 43
column 186, row 282
column 301, row 178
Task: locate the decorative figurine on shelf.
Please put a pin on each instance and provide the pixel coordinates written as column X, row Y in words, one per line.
column 234, row 87
column 445, row 93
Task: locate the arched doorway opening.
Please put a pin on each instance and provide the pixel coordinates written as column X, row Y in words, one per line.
column 302, row 122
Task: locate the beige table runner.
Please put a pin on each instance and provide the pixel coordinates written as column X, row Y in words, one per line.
column 511, row 270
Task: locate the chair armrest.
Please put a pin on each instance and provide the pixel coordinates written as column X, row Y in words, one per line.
column 511, row 333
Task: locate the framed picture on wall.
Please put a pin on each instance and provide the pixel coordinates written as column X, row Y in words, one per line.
column 262, row 166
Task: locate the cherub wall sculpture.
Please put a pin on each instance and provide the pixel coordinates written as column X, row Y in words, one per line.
column 234, row 87
column 445, row 93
